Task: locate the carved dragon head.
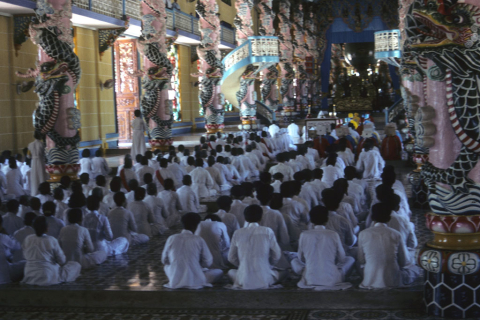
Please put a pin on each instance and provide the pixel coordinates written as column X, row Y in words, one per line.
column 157, row 73
column 52, row 70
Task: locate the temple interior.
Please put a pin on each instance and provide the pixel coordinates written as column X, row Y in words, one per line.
column 254, row 96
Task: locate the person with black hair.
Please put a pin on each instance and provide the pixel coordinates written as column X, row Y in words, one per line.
column 278, row 179
column 101, row 182
column 76, row 243
column 254, row 259
column 331, row 171
column 85, row 181
column 21, row 234
column 126, row 174
column 122, row 222
column 224, row 204
column 54, row 224
column 177, row 171
column 115, row 186
column 162, row 174
column 100, row 232
column 383, row 194
column 138, row 136
column 345, row 153
column 303, row 192
column 348, row 206
column 172, row 203
column 45, row 261
column 249, row 189
column 215, row 234
column 258, row 162
column 356, row 187
column 99, row 165
column 312, row 154
column 233, row 176
column 218, row 176
column 35, row 205
column 65, row 183
column 85, row 163
column 187, row 197
column 264, row 148
column 132, row 185
column 11, row 222
column 138, row 162
column 186, row 257
column 237, row 194
column 38, row 174
column 383, row 254
column 202, row 182
column 9, row 247
column 157, row 206
column 403, row 225
column 143, row 169
column 103, row 207
column 24, row 206
column 14, row 180
column 294, row 209
column 282, row 167
column 45, row 193
column 370, row 162
column 321, row 259
column 143, row 215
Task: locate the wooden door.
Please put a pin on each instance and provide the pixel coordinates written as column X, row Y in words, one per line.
column 126, row 87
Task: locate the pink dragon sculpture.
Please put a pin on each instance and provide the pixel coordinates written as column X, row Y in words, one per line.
column 211, row 68
column 286, row 58
column 301, row 50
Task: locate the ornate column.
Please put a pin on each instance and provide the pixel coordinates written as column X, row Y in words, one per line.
column 446, row 33
column 270, row 75
column 313, row 53
column 286, row 58
column 300, row 52
column 156, row 106
column 211, row 68
column 57, row 77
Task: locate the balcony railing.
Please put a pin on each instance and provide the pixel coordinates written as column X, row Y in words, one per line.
column 175, row 19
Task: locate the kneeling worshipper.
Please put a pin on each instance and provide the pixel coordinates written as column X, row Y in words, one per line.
column 46, row 263
column 383, row 255
column 321, row 260
column 9, row 272
column 100, row 231
column 76, row 242
column 215, row 234
column 254, row 250
column 186, row 258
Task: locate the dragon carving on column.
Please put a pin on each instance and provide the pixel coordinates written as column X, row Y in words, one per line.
column 211, row 68
column 311, row 40
column 155, row 105
column 300, row 52
column 57, row 76
column 270, row 74
column 286, row 52
column 446, row 32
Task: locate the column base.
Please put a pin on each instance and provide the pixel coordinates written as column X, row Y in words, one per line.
column 57, row 171
column 214, row 128
column 160, row 144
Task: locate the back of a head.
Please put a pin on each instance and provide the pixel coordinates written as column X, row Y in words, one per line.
column 49, row 208
column 13, row 205
column 147, row 178
column 219, row 148
column 389, row 177
column 168, row 184
column 181, row 148
column 278, row 176
column 187, row 180
column 40, row 225
column 384, row 192
column 199, row 162
column 100, row 180
column 98, row 192
column 65, row 181
column 381, row 212
column 237, row 192
column 77, row 200
column 213, row 153
column 76, row 187
column 133, row 184
column 350, row 172
column 280, row 157
column 128, row 164
column 144, row 161
column 228, row 148
column 298, row 176
column 318, row 173
column 211, row 161
column 253, row 213
column 287, row 189
column 119, row 199
column 85, row 178
column 332, row 159
column 115, row 184
column 276, row 202
column 139, row 194
column 264, row 134
column 266, row 177
column 186, row 152
column 137, row 113
column 58, row 194
column 75, row 215
column 44, row 188
column 28, row 219
column 264, row 194
column 248, row 187
column 12, row 162
column 191, row 161
column 35, row 203
column 248, row 148
column 86, row 153
column 93, row 203
column 330, row 199
column 152, row 189
column 307, row 174
column 191, row 220
column 319, row 215
column 341, row 186
column 202, row 140
column 163, row 163
column 368, row 145
column 138, row 158
column 37, row 135
column 98, row 153
column 224, row 203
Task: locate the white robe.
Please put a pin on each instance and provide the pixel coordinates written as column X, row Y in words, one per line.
column 77, row 245
column 12, row 223
column 284, row 169
column 38, row 173
column 178, row 172
column 202, row 183
column 188, row 199
column 158, row 209
column 382, row 251
column 143, row 217
column 86, row 167
column 54, row 226
column 123, row 225
column 237, row 209
column 216, row 237
column 10, row 272
column 44, row 257
column 141, row 173
column 185, row 256
column 230, row 221
column 371, row 164
column 330, row 174
column 99, row 167
column 344, row 229
column 172, row 205
column 273, row 219
column 101, row 234
column 138, row 137
column 15, row 183
column 254, row 250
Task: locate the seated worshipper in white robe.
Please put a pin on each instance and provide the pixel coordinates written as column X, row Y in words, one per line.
column 294, row 132
column 115, row 186
column 321, row 259
column 144, row 168
column 273, row 219
column 158, row 208
column 247, row 164
column 85, row 163
column 99, row 165
column 127, row 174
column 132, row 185
column 331, row 172
column 55, row 225
column 86, row 185
column 370, row 162
column 382, row 252
column 144, row 218
column 254, row 251
column 233, row 176
column 21, row 234
column 76, row 243
column 264, row 148
column 249, row 189
column 294, row 209
column 65, row 184
column 345, row 153
column 202, row 182
column 259, row 166
column 337, row 223
column 171, row 202
column 103, row 208
column 229, row 219
column 60, row 206
column 273, row 129
column 177, row 171
column 283, row 168
column 237, row 193
column 100, row 232
column 383, row 193
column 389, row 178
column 46, row 263
column 138, row 139
column 190, row 165
column 278, row 179
column 218, row 177
column 45, row 193
column 36, row 206
column 224, row 171
column 293, row 163
column 348, row 204
column 188, row 198
column 24, row 206
column 305, row 193
column 186, row 258
column 138, row 162
column 14, row 180
column 357, row 191
column 239, row 165
column 122, row 222
column 9, row 246
column 12, row 222
column 215, row 234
